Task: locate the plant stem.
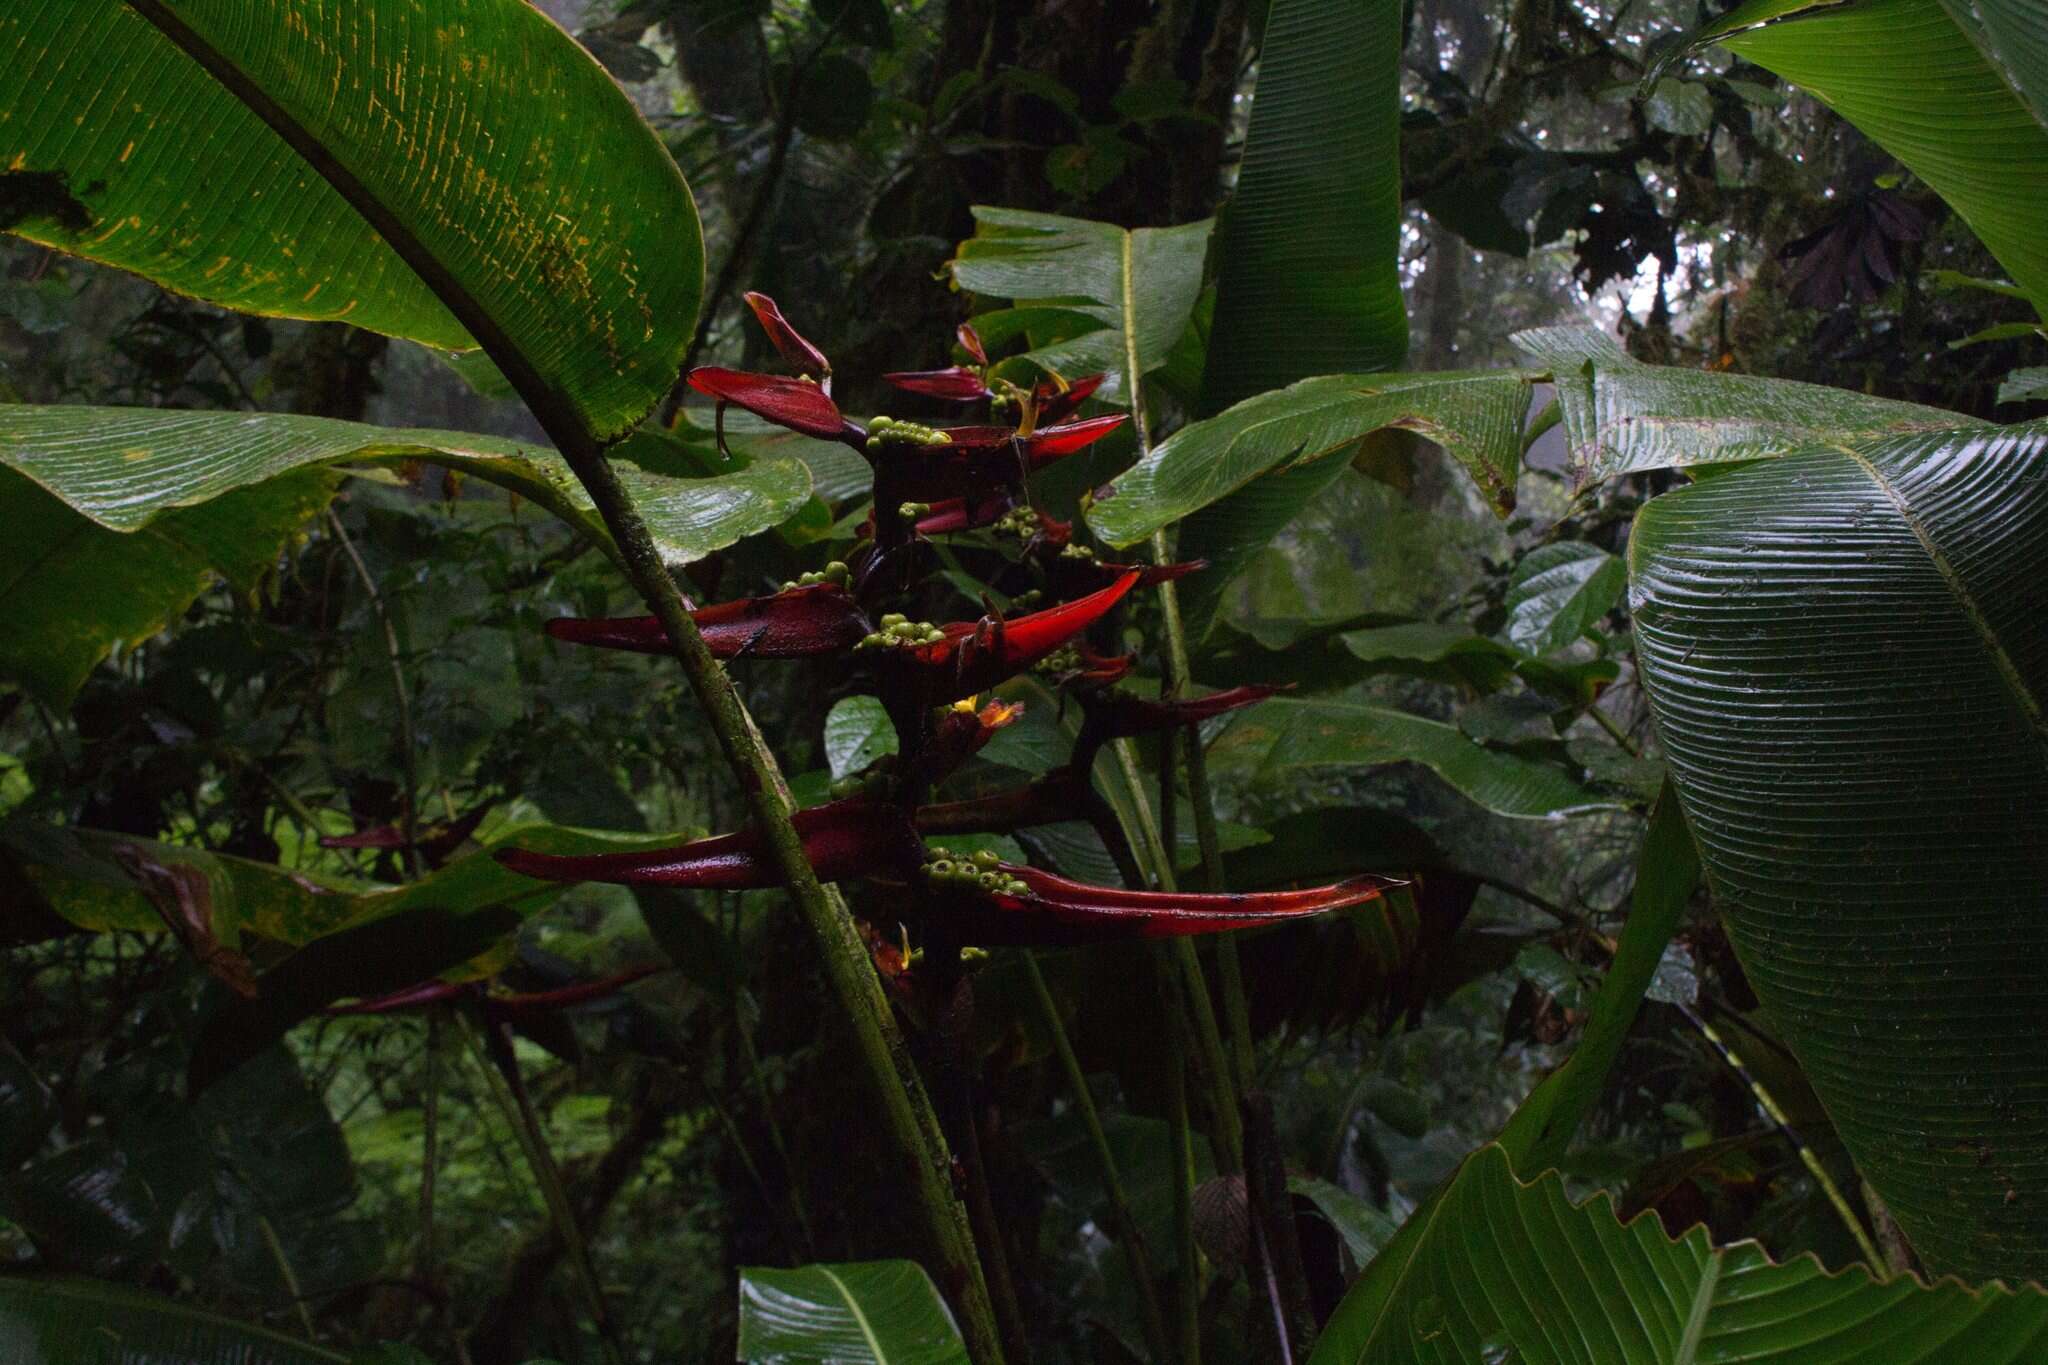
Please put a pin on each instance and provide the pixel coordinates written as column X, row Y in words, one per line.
column 796, row 1193
column 1236, row 1014
column 408, row 762
column 981, row 1208
column 287, row 1274
column 1880, row 1266
column 1620, row 737
column 430, row 1148
column 1194, row 986
column 509, row 1091
column 907, row 1109
column 1125, row 1224
column 1188, row 1302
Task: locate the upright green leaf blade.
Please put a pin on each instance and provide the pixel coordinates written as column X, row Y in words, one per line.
column 858, row 1313
column 1955, row 89
column 85, row 1322
column 1846, row 651
column 279, row 160
column 1495, row 1270
column 1310, row 281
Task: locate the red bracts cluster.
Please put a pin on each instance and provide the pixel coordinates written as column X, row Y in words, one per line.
column 930, row 481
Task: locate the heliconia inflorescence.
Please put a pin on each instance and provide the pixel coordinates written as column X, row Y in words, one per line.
column 929, row 481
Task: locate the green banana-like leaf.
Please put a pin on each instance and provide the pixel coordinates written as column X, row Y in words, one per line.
column 854, row 1313
column 1125, row 296
column 124, row 467
column 87, row 1322
column 1957, row 90
column 450, row 175
column 155, row 502
column 75, row 589
column 1308, row 280
column 1310, row 425
column 85, row 879
column 1622, row 416
column 1277, row 736
column 1309, row 277
column 1846, row 653
column 1495, row 1270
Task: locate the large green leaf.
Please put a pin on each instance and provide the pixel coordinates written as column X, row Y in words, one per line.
column 1476, row 417
column 1955, row 89
column 1846, row 652
column 1309, row 280
column 1496, row 1270
column 1126, row 296
column 326, row 159
column 123, row 467
column 858, row 1313
column 1623, row 417
column 159, row 501
column 86, row 1322
column 75, row 589
column 1284, row 734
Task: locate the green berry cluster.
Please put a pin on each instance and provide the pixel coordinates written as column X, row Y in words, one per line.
column 1076, row 550
column 835, row 572
column 1021, row 522
column 856, row 784
column 982, row 872
column 911, row 511
column 1065, row 659
column 900, row 632
column 887, row 430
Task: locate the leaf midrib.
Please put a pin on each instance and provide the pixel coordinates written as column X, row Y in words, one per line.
column 860, row 1319
column 2028, row 705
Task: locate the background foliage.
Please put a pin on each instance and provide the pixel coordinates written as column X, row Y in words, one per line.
column 356, row 642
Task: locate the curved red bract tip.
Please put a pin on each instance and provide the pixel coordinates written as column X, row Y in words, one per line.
column 797, row 623
column 975, row 656
column 1126, row 715
column 955, row 384
column 794, row 403
column 788, row 342
column 853, row 838
column 1050, row 443
column 1056, row 909
column 1056, row 404
column 970, row 342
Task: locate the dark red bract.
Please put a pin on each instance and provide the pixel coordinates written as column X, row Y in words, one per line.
column 796, row 623
column 956, row 383
column 1052, row 909
column 794, row 403
column 788, row 342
